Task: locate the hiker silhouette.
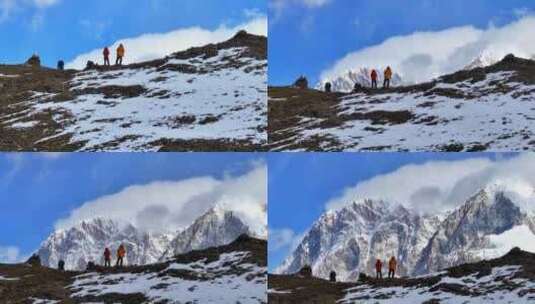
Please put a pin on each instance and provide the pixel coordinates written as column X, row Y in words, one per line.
column 392, row 265
column 379, row 269
column 106, row 54
column 107, row 257
column 121, row 252
column 373, row 76
column 120, row 54
column 388, row 76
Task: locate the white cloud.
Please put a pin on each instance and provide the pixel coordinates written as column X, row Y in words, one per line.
column 158, row 45
column 422, row 56
column 7, row 7
column 284, row 239
column 175, row 204
column 45, row 3
column 9, row 254
column 443, row 185
column 278, row 7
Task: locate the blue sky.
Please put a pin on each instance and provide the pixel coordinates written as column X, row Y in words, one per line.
column 65, row 28
column 301, row 184
column 39, row 189
column 308, row 39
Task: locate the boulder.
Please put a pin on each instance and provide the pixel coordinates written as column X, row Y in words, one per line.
column 332, row 276
column 61, row 265
column 34, row 260
column 306, row 271
column 328, row 87
column 91, row 266
column 34, row 61
column 301, row 83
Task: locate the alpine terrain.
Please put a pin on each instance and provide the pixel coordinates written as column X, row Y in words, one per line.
column 85, row 242
column 349, row 240
column 207, row 98
column 507, row 279
column 480, row 108
column 233, row 273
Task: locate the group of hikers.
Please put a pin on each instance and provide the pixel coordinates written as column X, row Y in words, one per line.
column 387, row 78
column 90, row 64
column 121, row 253
column 119, row 58
column 392, row 265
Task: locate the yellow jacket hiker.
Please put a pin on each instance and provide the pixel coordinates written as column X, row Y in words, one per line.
column 121, row 252
column 120, row 54
column 388, row 76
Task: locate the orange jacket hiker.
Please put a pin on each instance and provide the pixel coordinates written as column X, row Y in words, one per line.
column 392, row 264
column 120, row 50
column 121, row 251
column 388, row 73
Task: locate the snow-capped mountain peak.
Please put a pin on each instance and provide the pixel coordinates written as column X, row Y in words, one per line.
column 349, row 240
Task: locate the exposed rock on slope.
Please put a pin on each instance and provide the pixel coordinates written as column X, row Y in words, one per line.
column 207, row 98
column 509, row 279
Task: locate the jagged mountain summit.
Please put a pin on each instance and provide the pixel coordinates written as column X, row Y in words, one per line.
column 205, row 98
column 482, row 109
column 346, row 82
column 349, row 240
column 233, row 273
column 508, row 279
column 215, row 227
column 85, row 242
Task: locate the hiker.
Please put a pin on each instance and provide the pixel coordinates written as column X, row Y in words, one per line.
column 374, row 79
column 106, row 54
column 120, row 54
column 61, row 65
column 107, row 257
column 388, row 76
column 120, row 256
column 379, row 269
column 61, row 265
column 392, row 264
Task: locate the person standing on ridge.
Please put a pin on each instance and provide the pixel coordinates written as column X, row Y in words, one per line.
column 107, row 257
column 106, row 54
column 374, row 79
column 120, row 54
column 392, row 265
column 388, row 76
column 379, row 269
column 121, row 252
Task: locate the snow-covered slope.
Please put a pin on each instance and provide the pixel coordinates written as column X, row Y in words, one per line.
column 213, row 95
column 476, row 110
column 234, row 273
column 86, row 242
column 349, row 240
column 346, row 82
column 507, row 279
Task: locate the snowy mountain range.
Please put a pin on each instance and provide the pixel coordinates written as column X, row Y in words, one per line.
column 349, row 240
column 205, row 98
column 86, row 241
